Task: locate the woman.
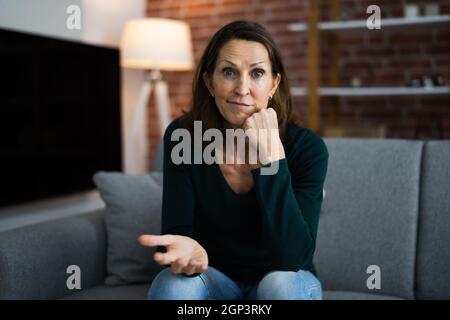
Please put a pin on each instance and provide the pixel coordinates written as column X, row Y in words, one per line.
column 229, row 231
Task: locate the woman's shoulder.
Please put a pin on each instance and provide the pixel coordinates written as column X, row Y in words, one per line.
column 302, row 140
column 175, row 124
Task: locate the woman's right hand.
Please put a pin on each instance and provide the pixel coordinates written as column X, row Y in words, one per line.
column 184, row 254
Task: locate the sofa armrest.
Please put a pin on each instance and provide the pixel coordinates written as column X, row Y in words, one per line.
column 34, row 258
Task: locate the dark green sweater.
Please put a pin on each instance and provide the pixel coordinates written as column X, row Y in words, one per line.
column 272, row 227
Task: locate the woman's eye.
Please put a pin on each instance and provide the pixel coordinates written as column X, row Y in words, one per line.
column 258, row 73
column 227, row 72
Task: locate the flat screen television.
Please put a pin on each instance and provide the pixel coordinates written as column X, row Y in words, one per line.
column 59, row 116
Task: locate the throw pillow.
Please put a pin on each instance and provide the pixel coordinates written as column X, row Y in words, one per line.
column 133, row 207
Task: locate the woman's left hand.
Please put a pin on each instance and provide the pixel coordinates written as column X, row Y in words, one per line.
column 265, row 125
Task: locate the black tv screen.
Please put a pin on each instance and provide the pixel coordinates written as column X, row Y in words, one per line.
column 59, row 115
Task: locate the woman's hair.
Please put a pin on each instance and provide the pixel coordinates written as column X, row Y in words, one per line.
column 203, row 106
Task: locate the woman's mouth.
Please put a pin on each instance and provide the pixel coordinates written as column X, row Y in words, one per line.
column 238, row 104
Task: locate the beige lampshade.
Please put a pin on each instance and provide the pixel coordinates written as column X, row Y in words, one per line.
column 156, row 43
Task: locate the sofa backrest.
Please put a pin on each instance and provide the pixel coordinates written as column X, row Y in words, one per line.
column 370, row 215
column 34, row 259
column 433, row 249
column 158, row 161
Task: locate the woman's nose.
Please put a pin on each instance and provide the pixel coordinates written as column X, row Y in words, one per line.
column 242, row 86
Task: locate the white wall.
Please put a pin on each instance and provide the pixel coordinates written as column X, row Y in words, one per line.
column 101, row 24
column 46, row 17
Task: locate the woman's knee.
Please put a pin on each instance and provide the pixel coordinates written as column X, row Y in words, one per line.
column 170, row 286
column 289, row 285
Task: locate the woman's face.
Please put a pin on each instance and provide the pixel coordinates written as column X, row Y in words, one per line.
column 242, row 81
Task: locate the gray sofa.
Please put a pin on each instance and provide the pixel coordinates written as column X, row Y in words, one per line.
column 387, row 205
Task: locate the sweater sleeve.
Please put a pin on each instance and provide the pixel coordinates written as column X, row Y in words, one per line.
column 178, row 194
column 290, row 203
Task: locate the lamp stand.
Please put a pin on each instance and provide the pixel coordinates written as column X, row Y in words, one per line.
column 137, row 137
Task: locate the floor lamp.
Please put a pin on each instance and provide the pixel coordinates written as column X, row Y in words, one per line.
column 153, row 45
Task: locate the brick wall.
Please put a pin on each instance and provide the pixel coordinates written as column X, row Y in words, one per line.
column 391, row 57
column 379, row 58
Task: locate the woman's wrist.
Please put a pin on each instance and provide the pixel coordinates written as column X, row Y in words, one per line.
column 275, row 154
column 266, row 159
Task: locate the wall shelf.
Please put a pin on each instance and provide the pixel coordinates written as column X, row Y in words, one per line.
column 372, row 91
column 361, row 24
column 316, row 92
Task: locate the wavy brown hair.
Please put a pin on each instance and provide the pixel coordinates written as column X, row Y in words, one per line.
column 203, row 106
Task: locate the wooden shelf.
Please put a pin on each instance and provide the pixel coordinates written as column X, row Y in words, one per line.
column 329, row 33
column 372, row 91
column 361, row 24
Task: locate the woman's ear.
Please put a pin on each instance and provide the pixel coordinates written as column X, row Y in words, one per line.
column 276, row 82
column 207, row 83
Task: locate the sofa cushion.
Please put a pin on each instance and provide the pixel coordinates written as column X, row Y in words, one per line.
column 350, row 295
column 433, row 250
column 133, row 207
column 370, row 215
column 130, row 292
column 139, row 292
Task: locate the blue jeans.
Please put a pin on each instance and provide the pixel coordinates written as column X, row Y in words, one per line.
column 214, row 285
